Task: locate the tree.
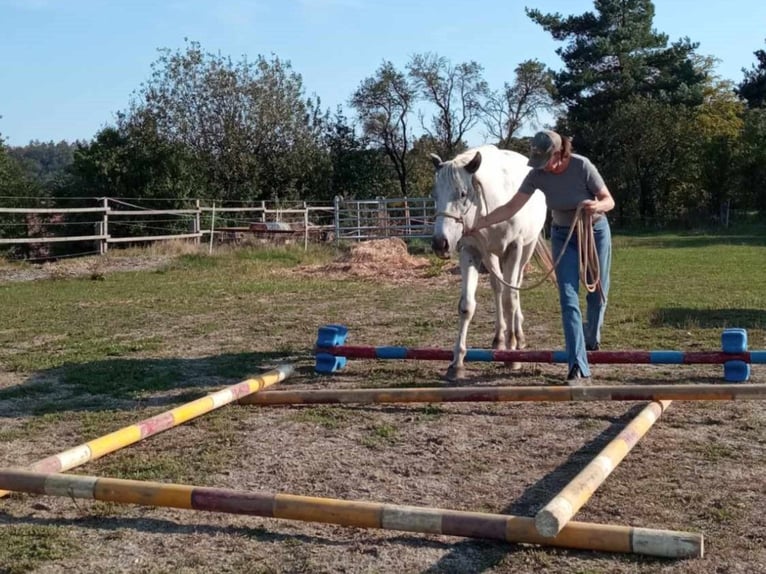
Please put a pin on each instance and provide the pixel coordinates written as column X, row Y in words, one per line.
column 357, row 171
column 632, row 102
column 16, row 190
column 456, row 92
column 613, row 55
column 753, row 86
column 751, row 161
column 247, row 124
column 384, row 104
column 16, row 187
column 45, row 163
column 128, row 162
column 506, row 111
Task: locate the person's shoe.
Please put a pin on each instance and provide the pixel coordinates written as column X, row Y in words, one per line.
column 593, row 347
column 575, row 377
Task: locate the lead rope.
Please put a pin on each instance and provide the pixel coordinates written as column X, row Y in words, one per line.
column 587, row 252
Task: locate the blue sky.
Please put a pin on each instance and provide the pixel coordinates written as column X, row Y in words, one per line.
column 68, row 66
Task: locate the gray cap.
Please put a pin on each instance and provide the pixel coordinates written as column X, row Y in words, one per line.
column 542, row 147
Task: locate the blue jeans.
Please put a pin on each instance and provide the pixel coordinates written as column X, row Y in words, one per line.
column 577, row 335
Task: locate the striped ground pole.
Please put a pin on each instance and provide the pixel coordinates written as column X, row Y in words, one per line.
column 128, row 435
column 547, row 356
column 361, row 514
column 559, row 511
column 677, row 392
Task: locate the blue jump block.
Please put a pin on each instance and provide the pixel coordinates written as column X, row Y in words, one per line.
column 736, row 371
column 734, row 340
column 331, row 335
column 328, row 364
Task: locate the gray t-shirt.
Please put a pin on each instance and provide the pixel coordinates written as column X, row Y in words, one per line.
column 564, row 191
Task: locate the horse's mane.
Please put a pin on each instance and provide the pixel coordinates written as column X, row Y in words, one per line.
column 453, row 169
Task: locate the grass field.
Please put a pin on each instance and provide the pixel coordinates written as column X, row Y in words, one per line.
column 83, row 356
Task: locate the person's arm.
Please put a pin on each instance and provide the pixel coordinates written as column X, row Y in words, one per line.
column 502, row 213
column 604, row 202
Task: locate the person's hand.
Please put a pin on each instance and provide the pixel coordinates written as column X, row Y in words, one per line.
column 589, row 206
column 475, row 228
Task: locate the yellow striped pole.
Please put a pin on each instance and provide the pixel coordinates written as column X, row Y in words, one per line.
column 676, row 392
column 116, row 440
column 360, row 514
column 559, row 511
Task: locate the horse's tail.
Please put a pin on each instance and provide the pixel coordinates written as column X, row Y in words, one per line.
column 544, row 258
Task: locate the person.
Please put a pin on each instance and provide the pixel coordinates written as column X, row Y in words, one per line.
column 568, row 181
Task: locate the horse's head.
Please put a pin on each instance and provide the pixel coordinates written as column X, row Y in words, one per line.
column 455, row 195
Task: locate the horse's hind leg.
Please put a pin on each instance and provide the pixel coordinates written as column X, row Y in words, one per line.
column 469, row 267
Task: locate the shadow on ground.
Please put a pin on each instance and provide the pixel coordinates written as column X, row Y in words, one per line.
column 121, row 383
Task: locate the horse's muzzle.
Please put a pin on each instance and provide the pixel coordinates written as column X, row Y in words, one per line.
column 440, row 247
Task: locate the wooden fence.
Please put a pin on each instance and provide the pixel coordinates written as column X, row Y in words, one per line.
column 31, row 231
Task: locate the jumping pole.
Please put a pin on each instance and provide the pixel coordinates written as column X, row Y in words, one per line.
column 116, row 440
column 360, row 514
column 559, row 511
column 546, row 356
column 332, row 353
column 679, row 392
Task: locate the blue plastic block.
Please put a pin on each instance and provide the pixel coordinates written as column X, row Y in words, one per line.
column 331, row 335
column 736, row 371
column 734, row 340
column 327, row 363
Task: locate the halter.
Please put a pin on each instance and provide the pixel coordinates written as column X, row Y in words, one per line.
column 468, row 204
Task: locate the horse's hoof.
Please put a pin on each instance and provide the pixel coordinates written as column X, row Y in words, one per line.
column 513, row 366
column 455, row 374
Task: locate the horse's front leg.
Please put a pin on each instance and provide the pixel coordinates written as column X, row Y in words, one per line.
column 500, row 340
column 513, row 271
column 518, row 316
column 469, row 272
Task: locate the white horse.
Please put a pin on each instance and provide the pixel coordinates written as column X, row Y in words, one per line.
column 476, row 182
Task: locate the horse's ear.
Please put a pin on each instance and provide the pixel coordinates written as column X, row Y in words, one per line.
column 437, row 160
column 473, row 165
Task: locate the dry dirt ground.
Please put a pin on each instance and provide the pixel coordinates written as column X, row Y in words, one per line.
column 701, row 468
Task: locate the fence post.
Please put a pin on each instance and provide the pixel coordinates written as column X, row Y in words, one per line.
column 407, row 222
column 103, row 245
column 336, row 218
column 197, row 222
column 212, row 231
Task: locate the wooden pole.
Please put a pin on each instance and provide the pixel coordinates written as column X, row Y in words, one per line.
column 360, row 514
column 679, row 392
column 126, row 436
column 559, row 511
